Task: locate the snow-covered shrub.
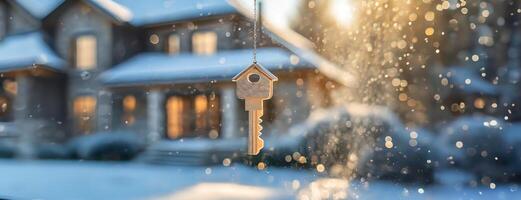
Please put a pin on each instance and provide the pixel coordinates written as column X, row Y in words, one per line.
column 477, row 143
column 108, row 146
column 7, row 150
column 368, row 141
column 52, row 151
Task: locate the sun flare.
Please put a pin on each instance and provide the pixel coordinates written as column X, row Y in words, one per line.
column 342, row 12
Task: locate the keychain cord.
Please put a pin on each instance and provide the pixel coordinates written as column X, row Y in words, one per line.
column 254, row 31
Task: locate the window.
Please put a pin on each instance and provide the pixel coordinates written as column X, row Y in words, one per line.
column 204, row 43
column 86, row 52
column 129, row 108
column 5, row 109
column 174, row 44
column 193, row 116
column 84, row 108
column 174, row 112
column 10, row 87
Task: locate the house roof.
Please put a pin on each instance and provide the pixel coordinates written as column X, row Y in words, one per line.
column 39, row 8
column 26, row 51
column 161, row 68
column 260, row 68
column 160, row 11
column 150, row 12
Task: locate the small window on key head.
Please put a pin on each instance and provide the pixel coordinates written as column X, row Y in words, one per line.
column 253, row 78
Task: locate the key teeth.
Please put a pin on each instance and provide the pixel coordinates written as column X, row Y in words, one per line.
column 259, row 125
column 260, row 145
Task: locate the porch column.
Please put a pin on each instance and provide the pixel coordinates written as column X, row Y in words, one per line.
column 155, row 115
column 22, row 119
column 229, row 105
column 104, row 113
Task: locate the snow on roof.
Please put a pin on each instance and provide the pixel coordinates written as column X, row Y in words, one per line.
column 26, row 51
column 299, row 45
column 39, row 8
column 148, row 12
column 142, row 13
column 161, row 68
column 115, row 10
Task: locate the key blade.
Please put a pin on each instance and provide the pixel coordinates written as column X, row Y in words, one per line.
column 255, row 142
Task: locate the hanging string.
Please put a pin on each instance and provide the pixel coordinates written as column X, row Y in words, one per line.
column 254, row 31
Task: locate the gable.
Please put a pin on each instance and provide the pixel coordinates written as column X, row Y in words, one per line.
column 20, row 20
column 98, row 8
column 39, row 9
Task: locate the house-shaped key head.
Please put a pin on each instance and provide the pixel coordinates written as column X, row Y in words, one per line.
column 254, row 84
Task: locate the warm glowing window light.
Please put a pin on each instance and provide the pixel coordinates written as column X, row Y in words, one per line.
column 174, row 109
column 129, row 103
column 10, row 86
column 174, row 44
column 86, row 52
column 129, row 106
column 84, row 108
column 84, row 105
column 201, row 110
column 342, row 12
column 204, row 43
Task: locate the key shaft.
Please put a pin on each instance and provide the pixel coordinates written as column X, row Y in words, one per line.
column 255, row 142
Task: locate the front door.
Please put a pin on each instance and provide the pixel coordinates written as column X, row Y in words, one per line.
column 193, row 116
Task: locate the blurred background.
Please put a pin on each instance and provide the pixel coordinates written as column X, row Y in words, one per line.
column 376, row 99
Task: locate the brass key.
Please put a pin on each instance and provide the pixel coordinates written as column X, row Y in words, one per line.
column 254, row 85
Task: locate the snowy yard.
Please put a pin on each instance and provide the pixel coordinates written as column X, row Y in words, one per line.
column 97, row 180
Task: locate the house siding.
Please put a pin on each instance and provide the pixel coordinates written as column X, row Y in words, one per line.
column 74, row 21
column 19, row 21
column 3, row 19
column 222, row 26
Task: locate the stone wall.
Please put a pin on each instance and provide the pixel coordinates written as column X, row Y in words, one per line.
column 76, row 20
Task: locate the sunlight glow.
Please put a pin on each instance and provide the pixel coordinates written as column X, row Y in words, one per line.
column 342, row 11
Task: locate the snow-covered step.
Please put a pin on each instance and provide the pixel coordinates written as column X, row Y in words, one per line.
column 192, row 151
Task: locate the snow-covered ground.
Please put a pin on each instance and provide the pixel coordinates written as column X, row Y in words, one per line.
column 96, row 180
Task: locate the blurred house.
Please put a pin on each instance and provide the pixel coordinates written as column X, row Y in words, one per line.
column 161, row 69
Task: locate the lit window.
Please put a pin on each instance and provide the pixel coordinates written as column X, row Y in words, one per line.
column 10, row 86
column 5, row 109
column 129, row 106
column 129, row 103
column 201, row 110
column 174, row 44
column 86, row 52
column 193, row 116
column 84, row 108
column 174, row 111
column 204, row 43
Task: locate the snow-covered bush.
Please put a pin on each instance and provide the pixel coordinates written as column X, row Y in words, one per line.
column 52, row 151
column 369, row 141
column 7, row 150
column 477, row 143
column 108, row 146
